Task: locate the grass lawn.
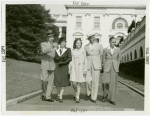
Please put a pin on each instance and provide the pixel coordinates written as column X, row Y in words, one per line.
column 21, row 78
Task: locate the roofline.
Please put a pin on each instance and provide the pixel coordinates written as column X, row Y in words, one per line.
column 107, row 6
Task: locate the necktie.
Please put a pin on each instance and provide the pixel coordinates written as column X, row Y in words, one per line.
column 60, row 51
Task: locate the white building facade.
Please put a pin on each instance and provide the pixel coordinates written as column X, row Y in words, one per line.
column 104, row 21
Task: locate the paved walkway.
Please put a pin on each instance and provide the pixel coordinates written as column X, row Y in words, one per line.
column 126, row 99
column 132, row 82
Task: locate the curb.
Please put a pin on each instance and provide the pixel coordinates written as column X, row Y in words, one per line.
column 133, row 88
column 22, row 98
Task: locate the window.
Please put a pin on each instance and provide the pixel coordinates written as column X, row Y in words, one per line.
column 119, row 26
column 77, row 35
column 64, row 16
column 120, row 21
column 78, row 21
column 127, row 57
column 96, row 22
column 130, row 55
column 56, row 16
column 78, row 38
column 135, row 55
column 141, row 52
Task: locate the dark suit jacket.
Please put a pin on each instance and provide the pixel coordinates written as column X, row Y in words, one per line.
column 110, row 59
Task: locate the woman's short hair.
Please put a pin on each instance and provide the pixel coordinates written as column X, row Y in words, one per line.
column 90, row 37
column 75, row 41
column 111, row 38
column 61, row 39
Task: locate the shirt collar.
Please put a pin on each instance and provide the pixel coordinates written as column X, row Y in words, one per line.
column 111, row 48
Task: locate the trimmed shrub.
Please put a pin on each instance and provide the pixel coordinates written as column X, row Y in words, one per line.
column 14, row 54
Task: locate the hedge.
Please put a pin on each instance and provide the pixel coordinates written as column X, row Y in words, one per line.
column 14, row 54
column 134, row 68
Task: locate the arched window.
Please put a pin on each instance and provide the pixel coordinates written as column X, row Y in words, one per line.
column 141, row 52
column 130, row 55
column 135, row 54
column 127, row 57
column 119, row 26
column 120, row 22
column 122, row 59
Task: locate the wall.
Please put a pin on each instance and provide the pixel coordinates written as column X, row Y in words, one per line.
column 133, row 42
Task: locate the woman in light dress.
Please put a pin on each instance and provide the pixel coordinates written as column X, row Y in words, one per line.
column 78, row 68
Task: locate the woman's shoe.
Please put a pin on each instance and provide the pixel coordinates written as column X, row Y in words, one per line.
column 104, row 98
column 60, row 100
column 57, row 99
column 77, row 100
column 43, row 98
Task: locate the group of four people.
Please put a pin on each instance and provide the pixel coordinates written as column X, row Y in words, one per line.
column 62, row 67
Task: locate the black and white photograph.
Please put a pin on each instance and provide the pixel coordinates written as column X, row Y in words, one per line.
column 74, row 56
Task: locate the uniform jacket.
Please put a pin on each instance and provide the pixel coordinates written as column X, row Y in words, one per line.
column 47, row 57
column 110, row 59
column 94, row 56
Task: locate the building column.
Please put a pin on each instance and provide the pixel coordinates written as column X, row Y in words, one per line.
column 106, row 31
column 87, row 22
column 60, row 31
column 69, row 32
column 87, row 28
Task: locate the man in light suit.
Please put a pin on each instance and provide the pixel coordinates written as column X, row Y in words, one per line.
column 94, row 53
column 47, row 66
column 111, row 62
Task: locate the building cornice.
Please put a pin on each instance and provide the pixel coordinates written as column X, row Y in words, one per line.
column 107, row 7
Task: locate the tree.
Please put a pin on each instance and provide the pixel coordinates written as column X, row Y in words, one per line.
column 131, row 26
column 26, row 27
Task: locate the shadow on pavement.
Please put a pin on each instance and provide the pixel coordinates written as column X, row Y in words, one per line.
column 71, row 97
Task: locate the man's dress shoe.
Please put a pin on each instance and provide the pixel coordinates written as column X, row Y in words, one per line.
column 50, row 100
column 112, row 102
column 94, row 101
column 60, row 100
column 104, row 98
column 87, row 98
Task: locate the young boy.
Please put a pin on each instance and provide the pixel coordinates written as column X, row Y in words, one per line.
column 111, row 62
